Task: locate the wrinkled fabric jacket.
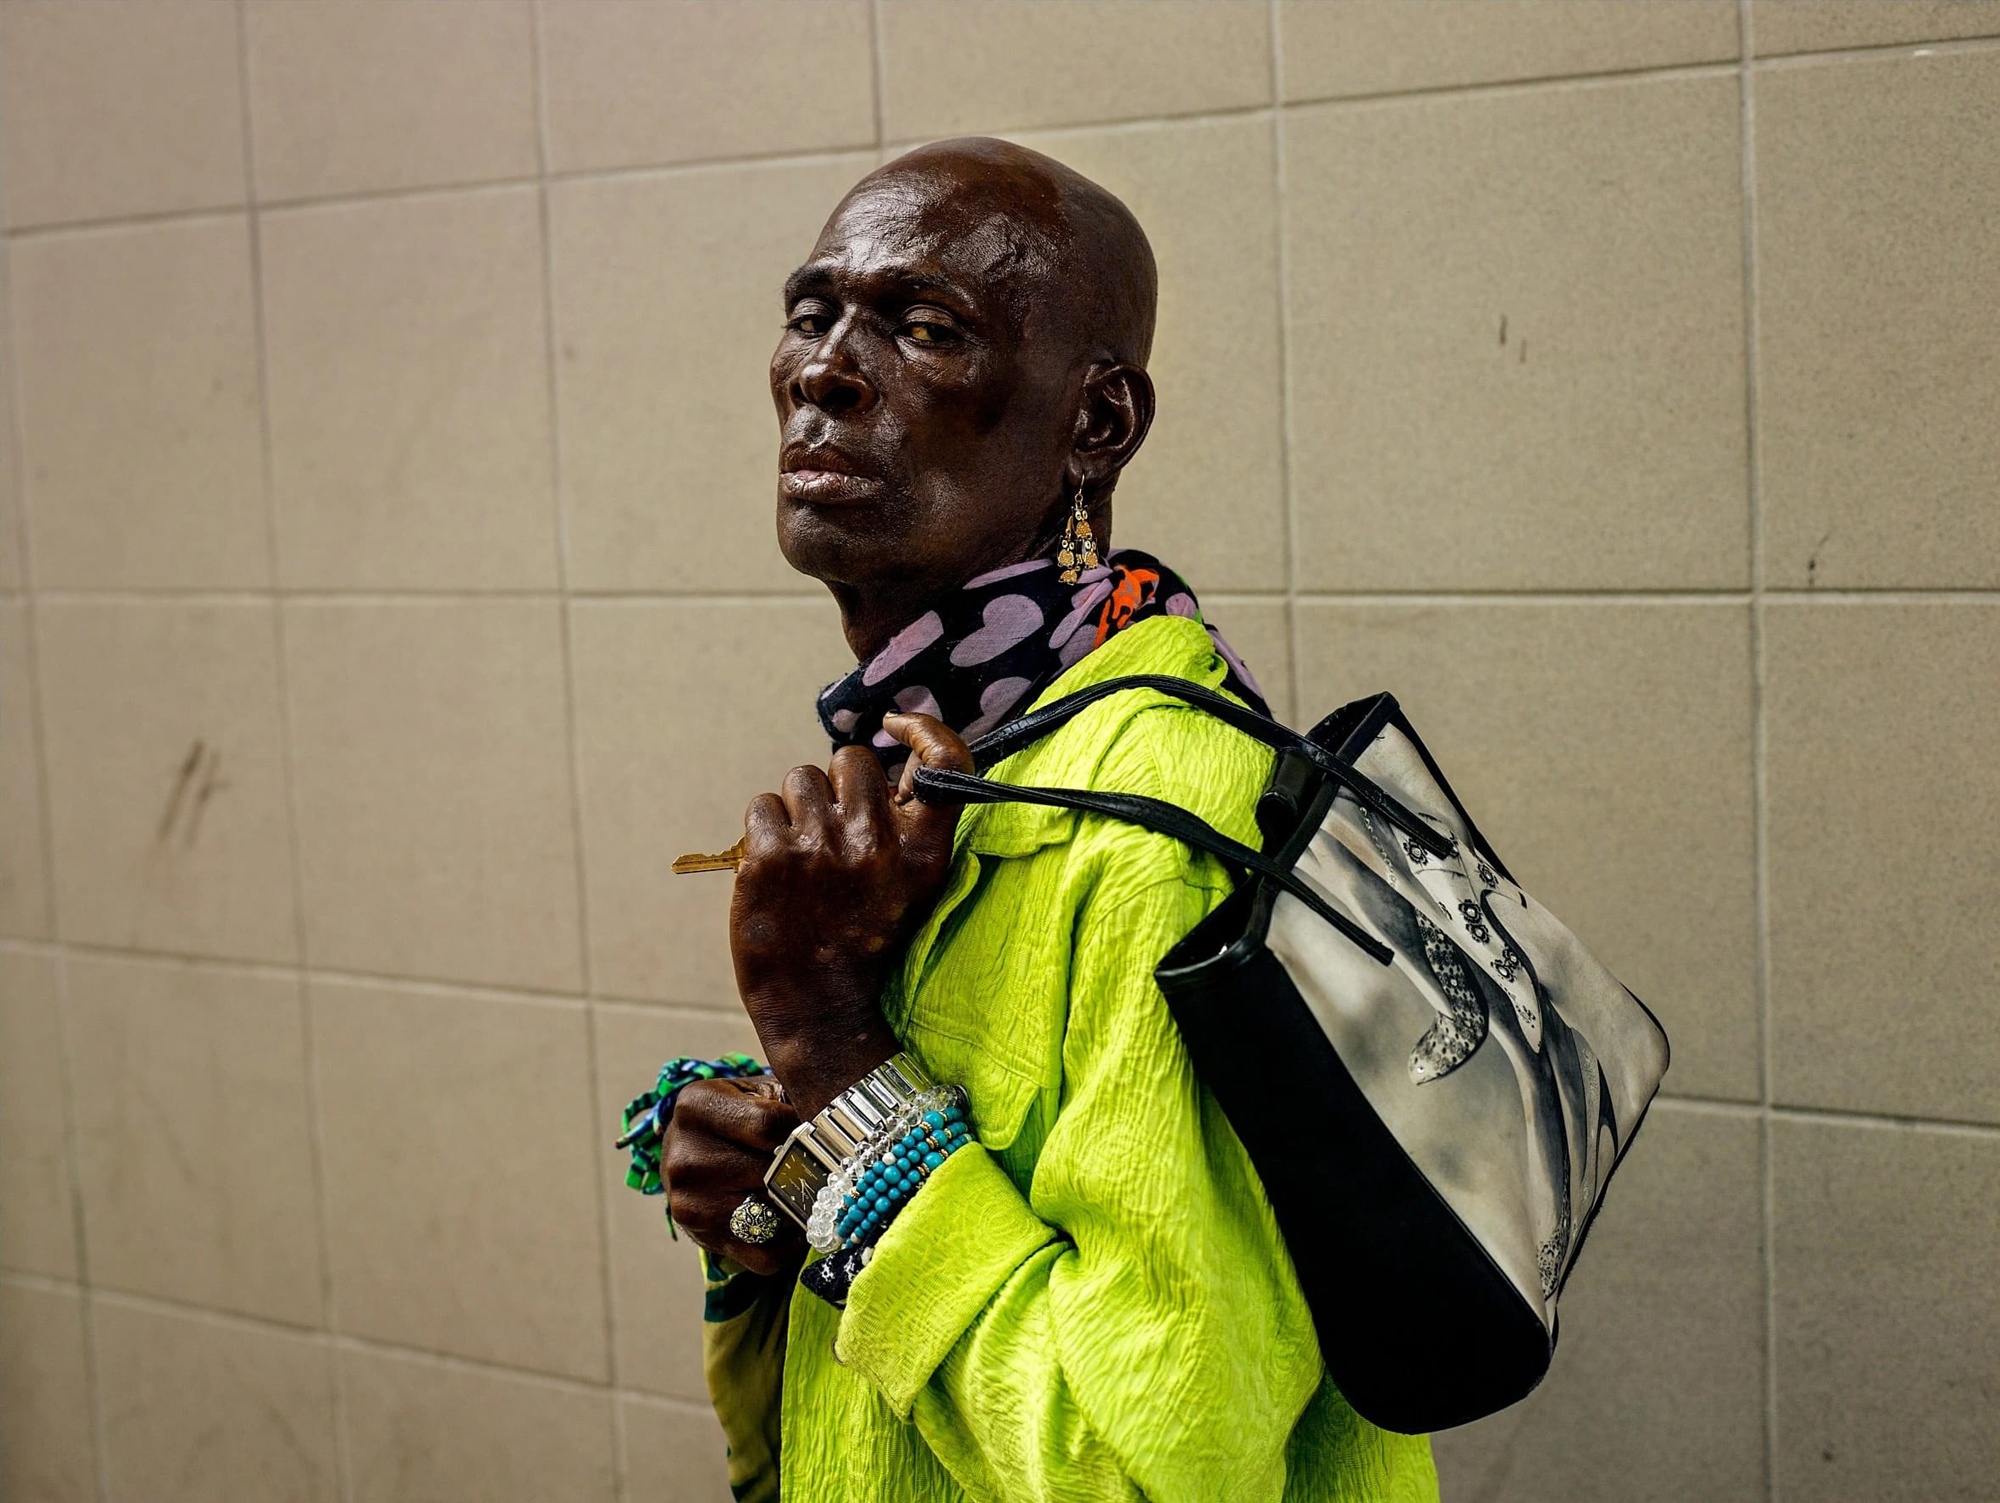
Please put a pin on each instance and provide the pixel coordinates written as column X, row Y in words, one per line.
column 1093, row 1300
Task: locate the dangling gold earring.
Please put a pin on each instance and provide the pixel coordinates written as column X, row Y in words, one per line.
column 1077, row 542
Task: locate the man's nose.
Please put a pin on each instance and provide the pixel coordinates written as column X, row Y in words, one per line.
column 829, row 378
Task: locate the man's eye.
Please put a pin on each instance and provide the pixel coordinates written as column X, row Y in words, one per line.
column 929, row 333
column 813, row 324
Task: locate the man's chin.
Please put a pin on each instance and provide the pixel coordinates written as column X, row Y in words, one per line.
column 838, row 544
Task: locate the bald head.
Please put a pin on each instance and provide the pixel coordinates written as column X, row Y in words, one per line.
column 1075, row 259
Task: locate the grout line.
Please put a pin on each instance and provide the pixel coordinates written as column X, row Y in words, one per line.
column 1287, row 426
column 1501, row 88
column 45, row 832
column 315, row 1118
column 153, row 1304
column 1729, row 1106
column 47, row 1283
column 348, row 1341
column 1524, row 597
column 1824, row 1116
column 379, row 595
column 375, row 595
column 1115, row 124
column 1759, row 786
column 1942, row 47
column 877, row 69
column 607, row 1298
column 441, row 986
column 126, row 221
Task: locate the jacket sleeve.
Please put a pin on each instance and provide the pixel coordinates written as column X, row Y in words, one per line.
column 1131, row 1326
column 743, row 1356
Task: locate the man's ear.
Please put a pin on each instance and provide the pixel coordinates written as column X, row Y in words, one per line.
column 1112, row 421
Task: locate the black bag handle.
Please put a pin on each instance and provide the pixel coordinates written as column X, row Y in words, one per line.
column 1032, row 727
column 938, row 784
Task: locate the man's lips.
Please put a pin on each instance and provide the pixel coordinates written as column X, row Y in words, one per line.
column 830, row 486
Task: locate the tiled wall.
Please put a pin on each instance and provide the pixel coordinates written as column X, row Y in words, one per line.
column 389, row 592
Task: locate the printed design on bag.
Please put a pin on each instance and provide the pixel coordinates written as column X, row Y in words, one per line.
column 1471, row 944
column 1549, row 1256
column 1450, row 1041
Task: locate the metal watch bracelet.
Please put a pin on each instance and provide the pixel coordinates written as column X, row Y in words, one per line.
column 815, row 1149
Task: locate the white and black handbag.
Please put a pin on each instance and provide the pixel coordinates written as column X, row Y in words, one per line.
column 1433, row 1077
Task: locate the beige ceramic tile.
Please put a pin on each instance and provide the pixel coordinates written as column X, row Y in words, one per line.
column 24, row 862
column 409, row 393
column 420, row 1431
column 667, row 310
column 198, row 1409
column 1517, row 340
column 1260, row 632
column 1886, row 1252
column 166, row 776
column 1814, row 25
column 459, row 1157
column 193, row 1141
column 674, row 1453
column 1662, row 1339
column 1387, row 46
column 1882, row 802
column 656, row 1281
column 118, row 109
column 1205, row 492
column 384, row 94
column 13, row 569
column 45, row 1439
column 37, row 1233
column 633, row 85
column 1878, row 184
column 951, row 69
column 685, row 711
column 138, row 379
column 435, row 830
column 1604, row 749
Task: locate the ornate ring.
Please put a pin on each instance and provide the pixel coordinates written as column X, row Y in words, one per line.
column 753, row 1222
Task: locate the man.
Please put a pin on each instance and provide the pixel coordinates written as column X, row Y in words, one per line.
column 1089, row 1298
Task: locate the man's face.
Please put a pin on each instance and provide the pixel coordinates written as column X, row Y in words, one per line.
column 924, row 404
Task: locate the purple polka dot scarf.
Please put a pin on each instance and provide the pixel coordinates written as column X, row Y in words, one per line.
column 980, row 659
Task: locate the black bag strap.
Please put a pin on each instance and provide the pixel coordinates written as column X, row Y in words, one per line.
column 936, row 784
column 1032, row 727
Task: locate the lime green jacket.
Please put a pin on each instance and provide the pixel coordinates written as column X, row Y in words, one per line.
column 1093, row 1300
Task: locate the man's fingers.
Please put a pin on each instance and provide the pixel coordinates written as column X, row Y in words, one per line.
column 736, row 1112
column 926, row 828
column 765, row 824
column 860, row 791
column 808, row 798
column 934, row 743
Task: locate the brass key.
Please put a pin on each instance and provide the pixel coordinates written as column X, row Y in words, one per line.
column 724, row 861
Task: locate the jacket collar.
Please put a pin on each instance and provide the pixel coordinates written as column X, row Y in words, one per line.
column 1069, row 757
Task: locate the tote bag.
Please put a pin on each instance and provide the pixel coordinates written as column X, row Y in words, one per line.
column 1432, row 1076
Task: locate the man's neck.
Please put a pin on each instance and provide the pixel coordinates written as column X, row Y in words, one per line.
column 870, row 614
column 869, row 617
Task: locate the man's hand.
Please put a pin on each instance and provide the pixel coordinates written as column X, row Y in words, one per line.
column 836, row 872
column 719, row 1142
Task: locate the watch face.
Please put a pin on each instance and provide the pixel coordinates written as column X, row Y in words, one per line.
column 795, row 1181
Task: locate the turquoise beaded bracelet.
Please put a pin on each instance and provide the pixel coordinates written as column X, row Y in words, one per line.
column 887, row 1184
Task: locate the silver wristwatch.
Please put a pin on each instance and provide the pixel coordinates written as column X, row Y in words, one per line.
column 815, row 1149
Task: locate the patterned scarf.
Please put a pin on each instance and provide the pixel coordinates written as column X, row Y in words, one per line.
column 979, row 660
